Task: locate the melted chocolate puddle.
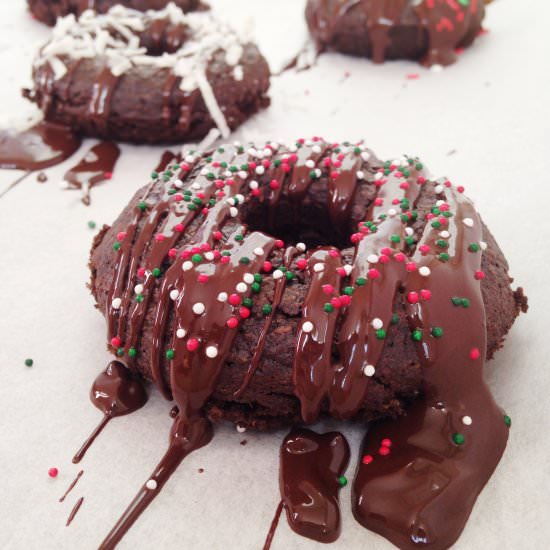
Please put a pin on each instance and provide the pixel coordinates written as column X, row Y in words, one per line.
column 115, row 393
column 96, row 166
column 310, row 478
column 39, row 147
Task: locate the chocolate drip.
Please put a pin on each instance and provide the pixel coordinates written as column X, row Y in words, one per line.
column 311, row 470
column 39, row 147
column 115, row 393
column 96, row 166
column 273, row 526
column 420, row 475
column 71, row 486
column 102, row 93
column 277, row 297
column 442, row 26
column 74, row 511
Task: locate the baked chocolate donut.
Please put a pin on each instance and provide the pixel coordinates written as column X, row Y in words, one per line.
column 48, row 11
column 207, row 266
column 159, row 76
column 427, row 30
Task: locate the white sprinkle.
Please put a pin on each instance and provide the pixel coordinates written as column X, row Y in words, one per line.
column 372, row 258
column 230, row 201
column 378, row 176
column 444, row 234
column 248, row 278
column 439, row 189
column 377, row 323
column 316, row 149
column 260, row 170
column 180, row 333
column 348, row 269
column 360, row 175
column 253, row 184
column 277, row 274
column 392, row 212
column 196, row 186
column 409, row 231
column 209, row 256
column 259, row 251
column 318, row 267
column 233, row 212
column 365, row 155
column 178, row 184
column 307, row 327
column 424, row 271
column 369, row 370
column 198, row 308
column 483, row 245
column 310, row 164
column 186, row 266
column 222, row 297
column 211, row 351
column 189, row 159
column 204, row 171
column 318, row 173
column 174, row 294
column 467, row 420
column 116, row 303
column 151, row 485
column 468, row 222
column 242, row 174
column 138, row 289
column 436, row 68
column 301, row 247
column 241, row 287
column 240, row 429
column 439, row 203
column 239, row 198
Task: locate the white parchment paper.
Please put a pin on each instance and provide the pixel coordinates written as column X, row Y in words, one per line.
column 483, row 122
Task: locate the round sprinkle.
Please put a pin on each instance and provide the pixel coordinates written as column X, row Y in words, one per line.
column 307, row 327
column 318, row 267
column 248, row 278
column 369, row 370
column 301, row 247
column 211, row 352
column 91, row 224
column 342, row 480
column 372, row 259
column 151, row 484
column 507, row 420
column 424, row 271
column 174, row 294
column 377, row 323
column 116, row 303
column 180, row 333
column 467, row 420
column 277, row 274
column 186, row 266
column 240, row 429
column 199, row 308
column 222, row 297
column 138, row 289
column 29, row 362
column 367, row 459
column 259, row 251
column 241, row 287
column 52, row 472
column 458, row 439
column 468, row 222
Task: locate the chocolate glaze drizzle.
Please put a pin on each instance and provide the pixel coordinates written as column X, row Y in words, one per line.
column 71, row 486
column 115, row 392
column 442, row 25
column 38, row 147
column 74, row 511
column 96, row 166
column 188, row 264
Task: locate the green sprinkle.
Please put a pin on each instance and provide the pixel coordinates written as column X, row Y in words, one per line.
column 29, row 362
column 409, row 240
column 192, row 206
column 210, row 176
column 437, row 332
column 196, row 258
column 456, row 301
column 289, row 275
column 436, row 224
column 419, row 166
column 132, row 352
column 120, row 352
column 395, row 239
column 394, row 319
column 380, row 334
column 139, row 298
column 266, row 309
column 116, row 246
column 245, row 260
column 154, row 175
column 329, row 308
column 507, row 420
column 239, row 237
column 170, row 354
column 474, row 247
column 417, row 335
column 442, row 243
column 465, row 303
column 256, row 287
column 171, row 191
column 458, row 439
column 361, row 281
column 348, row 290
column 342, row 480
column 156, row 272
column 142, row 206
column 91, row 224
column 444, row 257
column 258, row 278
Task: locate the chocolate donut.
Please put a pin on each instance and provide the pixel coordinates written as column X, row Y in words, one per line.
column 48, row 11
column 208, row 266
column 162, row 76
column 427, row 30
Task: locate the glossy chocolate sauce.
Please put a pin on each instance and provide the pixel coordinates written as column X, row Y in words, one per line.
column 441, row 25
column 310, row 479
column 36, row 148
column 96, row 166
column 71, row 486
column 74, row 511
column 115, row 392
column 186, row 266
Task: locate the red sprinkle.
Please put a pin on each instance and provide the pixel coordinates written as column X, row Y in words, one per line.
column 367, row 459
column 384, row 451
column 386, row 442
column 192, row 344
column 232, row 322
column 479, row 275
column 116, row 342
column 52, row 472
column 244, row 312
column 234, row 299
column 474, row 353
column 412, row 297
